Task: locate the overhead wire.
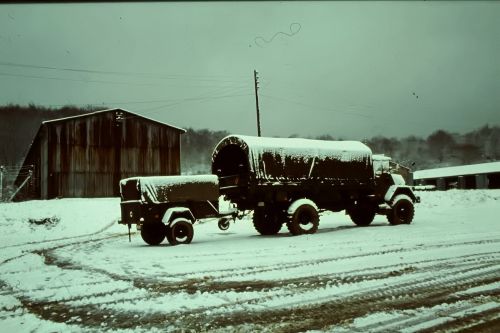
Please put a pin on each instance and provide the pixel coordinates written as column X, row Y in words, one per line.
column 204, row 97
column 175, row 101
column 72, row 80
column 315, row 106
column 218, row 77
column 371, row 116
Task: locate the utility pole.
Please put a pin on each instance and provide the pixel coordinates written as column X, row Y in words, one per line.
column 257, row 101
column 1, row 182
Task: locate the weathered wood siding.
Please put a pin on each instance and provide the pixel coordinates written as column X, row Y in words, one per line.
column 87, row 156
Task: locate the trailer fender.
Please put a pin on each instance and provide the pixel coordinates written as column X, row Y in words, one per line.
column 176, row 212
column 299, row 202
column 395, row 190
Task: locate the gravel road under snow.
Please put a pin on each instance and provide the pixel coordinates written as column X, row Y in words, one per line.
column 65, row 265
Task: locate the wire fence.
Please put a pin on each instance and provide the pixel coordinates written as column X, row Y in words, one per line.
column 15, row 179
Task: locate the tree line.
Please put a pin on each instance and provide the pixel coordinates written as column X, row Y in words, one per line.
column 18, row 126
column 439, row 149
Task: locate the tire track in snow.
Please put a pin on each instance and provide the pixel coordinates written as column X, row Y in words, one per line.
column 60, row 311
column 91, row 314
column 232, row 272
column 328, row 312
column 228, row 275
column 433, row 319
column 57, row 240
column 214, row 283
column 62, row 238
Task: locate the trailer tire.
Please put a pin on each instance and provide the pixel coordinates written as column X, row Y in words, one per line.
column 402, row 210
column 153, row 233
column 362, row 216
column 180, row 231
column 304, row 215
column 267, row 221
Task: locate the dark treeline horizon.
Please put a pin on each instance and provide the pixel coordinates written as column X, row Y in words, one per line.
column 19, row 124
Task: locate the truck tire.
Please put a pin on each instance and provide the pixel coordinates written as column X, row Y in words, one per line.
column 180, row 231
column 362, row 216
column 153, row 233
column 305, row 215
column 267, row 221
column 402, row 211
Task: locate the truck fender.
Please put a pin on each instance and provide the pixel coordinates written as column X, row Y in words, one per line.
column 299, row 202
column 175, row 212
column 394, row 190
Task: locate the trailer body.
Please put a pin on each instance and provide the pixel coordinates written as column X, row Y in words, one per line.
column 168, row 205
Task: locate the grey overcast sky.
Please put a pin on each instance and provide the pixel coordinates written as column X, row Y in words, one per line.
column 348, row 69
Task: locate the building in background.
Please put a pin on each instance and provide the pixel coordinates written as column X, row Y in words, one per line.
column 473, row 176
column 87, row 155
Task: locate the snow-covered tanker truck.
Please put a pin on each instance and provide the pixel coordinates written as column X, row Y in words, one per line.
column 282, row 180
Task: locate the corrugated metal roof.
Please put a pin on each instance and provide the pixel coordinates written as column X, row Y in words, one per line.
column 112, row 110
column 462, row 170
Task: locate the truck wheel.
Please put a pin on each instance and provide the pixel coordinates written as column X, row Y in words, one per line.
column 402, row 210
column 305, row 220
column 362, row 216
column 180, row 231
column 267, row 221
column 153, row 233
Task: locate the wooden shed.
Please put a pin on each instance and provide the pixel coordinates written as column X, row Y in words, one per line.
column 87, row 155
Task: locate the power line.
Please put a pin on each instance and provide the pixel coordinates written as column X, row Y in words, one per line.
column 73, row 80
column 220, row 90
column 219, row 78
column 315, row 106
column 175, row 101
column 223, row 90
column 185, row 85
column 194, row 99
column 378, row 117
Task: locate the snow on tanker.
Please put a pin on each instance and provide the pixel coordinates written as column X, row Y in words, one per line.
column 284, row 181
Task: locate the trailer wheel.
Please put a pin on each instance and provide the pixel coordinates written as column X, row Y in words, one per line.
column 153, row 233
column 180, row 231
column 362, row 216
column 267, row 221
column 223, row 223
column 305, row 220
column 402, row 210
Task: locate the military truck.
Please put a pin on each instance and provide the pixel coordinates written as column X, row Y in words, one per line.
column 284, row 181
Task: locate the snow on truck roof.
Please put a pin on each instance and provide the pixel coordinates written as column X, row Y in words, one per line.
column 343, row 150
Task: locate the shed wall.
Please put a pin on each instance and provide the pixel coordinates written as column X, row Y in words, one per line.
column 87, row 156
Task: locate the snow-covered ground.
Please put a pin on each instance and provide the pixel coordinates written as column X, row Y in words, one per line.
column 66, row 266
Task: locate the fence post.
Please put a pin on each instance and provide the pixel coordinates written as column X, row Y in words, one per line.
column 22, row 185
column 1, row 182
